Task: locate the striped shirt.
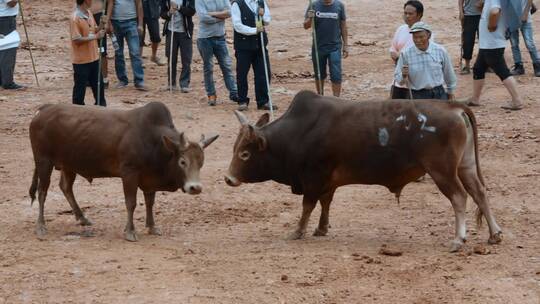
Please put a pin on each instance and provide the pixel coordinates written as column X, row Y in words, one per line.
column 427, row 69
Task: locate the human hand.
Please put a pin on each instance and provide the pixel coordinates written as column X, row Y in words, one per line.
column 405, row 71
column 310, row 13
column 345, row 51
column 100, row 34
column 461, row 17
column 173, row 8
column 260, row 26
column 12, row 3
column 492, row 28
column 140, row 29
column 109, row 28
column 261, row 11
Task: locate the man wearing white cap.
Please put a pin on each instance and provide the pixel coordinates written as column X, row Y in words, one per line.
column 426, row 67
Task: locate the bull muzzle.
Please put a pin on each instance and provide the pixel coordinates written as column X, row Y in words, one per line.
column 232, row 181
column 193, row 188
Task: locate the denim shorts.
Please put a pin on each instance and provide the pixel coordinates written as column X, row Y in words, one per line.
column 331, row 59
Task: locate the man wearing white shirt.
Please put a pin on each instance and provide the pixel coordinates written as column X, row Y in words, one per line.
column 248, row 50
column 8, row 23
column 491, row 55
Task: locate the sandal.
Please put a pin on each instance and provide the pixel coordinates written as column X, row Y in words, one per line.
column 512, row 108
column 465, row 71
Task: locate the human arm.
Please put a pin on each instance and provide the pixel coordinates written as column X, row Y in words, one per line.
column 345, row 38
column 398, row 72
column 449, row 75
column 493, row 20
column 461, row 11
column 203, row 14
column 140, row 16
column 265, row 14
column 78, row 38
column 237, row 22
column 110, row 6
column 526, row 11
column 308, row 20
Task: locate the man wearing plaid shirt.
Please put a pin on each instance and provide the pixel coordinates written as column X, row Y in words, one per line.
column 426, row 67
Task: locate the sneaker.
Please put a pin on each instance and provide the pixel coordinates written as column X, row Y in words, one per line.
column 141, row 87
column 243, row 107
column 266, row 107
column 185, row 90
column 518, row 69
column 14, row 86
column 158, row 61
column 212, row 100
column 121, row 85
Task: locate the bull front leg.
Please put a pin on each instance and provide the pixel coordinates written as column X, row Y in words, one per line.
column 326, row 200
column 308, row 204
column 149, row 199
column 130, row 193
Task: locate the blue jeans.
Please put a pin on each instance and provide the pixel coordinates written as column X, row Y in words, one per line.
column 528, row 37
column 128, row 29
column 333, row 60
column 217, row 46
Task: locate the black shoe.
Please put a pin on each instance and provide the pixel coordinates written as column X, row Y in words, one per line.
column 266, row 107
column 234, row 98
column 242, row 107
column 518, row 69
column 14, row 86
column 536, row 69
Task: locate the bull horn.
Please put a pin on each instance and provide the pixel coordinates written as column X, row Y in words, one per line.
column 241, row 118
column 205, row 142
column 184, row 141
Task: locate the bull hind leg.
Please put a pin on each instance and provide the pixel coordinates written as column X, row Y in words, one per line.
column 451, row 187
column 130, row 194
column 308, row 204
column 66, row 185
column 473, row 185
column 325, row 200
column 149, row 199
column 45, row 169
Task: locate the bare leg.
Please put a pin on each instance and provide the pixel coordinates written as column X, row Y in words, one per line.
column 149, row 199
column 45, row 170
column 154, row 50
column 130, row 193
column 66, row 184
column 478, row 85
column 104, row 66
column 511, row 85
column 308, row 204
column 326, row 200
column 336, row 89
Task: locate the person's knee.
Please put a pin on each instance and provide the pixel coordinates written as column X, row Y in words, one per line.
column 478, row 73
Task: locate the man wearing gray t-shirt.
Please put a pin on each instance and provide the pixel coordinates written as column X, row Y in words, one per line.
column 469, row 14
column 492, row 40
column 127, row 23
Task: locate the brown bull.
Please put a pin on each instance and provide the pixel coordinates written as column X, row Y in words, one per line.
column 140, row 146
column 323, row 143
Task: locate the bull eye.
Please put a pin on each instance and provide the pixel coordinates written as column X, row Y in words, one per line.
column 244, row 155
column 182, row 163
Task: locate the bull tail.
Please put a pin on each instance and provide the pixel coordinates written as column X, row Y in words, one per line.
column 472, row 120
column 33, row 187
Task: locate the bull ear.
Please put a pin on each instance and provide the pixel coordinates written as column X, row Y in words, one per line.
column 241, row 118
column 261, row 141
column 170, row 145
column 184, row 142
column 205, row 142
column 263, row 120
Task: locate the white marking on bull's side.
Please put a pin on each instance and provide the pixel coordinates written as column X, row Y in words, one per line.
column 37, row 112
column 423, row 120
column 384, row 137
column 403, row 118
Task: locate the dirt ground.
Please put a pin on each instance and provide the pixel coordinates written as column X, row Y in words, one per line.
column 228, row 245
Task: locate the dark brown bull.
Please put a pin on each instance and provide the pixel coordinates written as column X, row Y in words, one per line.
column 323, row 143
column 140, row 146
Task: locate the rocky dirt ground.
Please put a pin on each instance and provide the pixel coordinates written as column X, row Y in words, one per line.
column 228, row 245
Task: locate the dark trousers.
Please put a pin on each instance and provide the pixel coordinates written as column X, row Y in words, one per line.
column 435, row 93
column 491, row 58
column 84, row 74
column 470, row 31
column 245, row 59
column 399, row 93
column 184, row 43
column 9, row 56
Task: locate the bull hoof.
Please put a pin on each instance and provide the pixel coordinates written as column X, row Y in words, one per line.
column 131, row 236
column 456, row 245
column 83, row 221
column 320, row 232
column 297, row 235
column 154, row 231
column 41, row 231
column 496, row 238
